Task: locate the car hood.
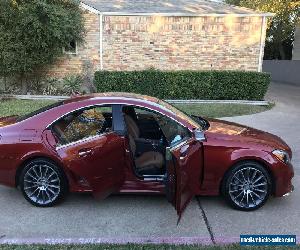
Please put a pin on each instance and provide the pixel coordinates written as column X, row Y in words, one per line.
column 234, row 131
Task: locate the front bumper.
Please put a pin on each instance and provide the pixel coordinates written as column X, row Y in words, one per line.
column 289, row 193
column 283, row 175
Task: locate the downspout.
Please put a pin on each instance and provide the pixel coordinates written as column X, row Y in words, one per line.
column 101, row 41
column 262, row 43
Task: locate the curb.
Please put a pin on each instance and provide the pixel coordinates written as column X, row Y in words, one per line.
column 61, row 98
column 118, row 241
column 246, row 102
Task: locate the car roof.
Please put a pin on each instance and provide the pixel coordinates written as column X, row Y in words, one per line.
column 106, row 95
column 76, row 102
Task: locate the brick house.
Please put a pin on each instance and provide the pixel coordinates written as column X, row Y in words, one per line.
column 167, row 35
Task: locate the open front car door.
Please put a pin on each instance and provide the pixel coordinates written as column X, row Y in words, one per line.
column 184, row 169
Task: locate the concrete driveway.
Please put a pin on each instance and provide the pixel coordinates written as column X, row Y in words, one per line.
column 128, row 218
column 279, row 215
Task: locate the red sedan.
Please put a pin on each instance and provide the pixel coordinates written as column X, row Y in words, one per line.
column 126, row 143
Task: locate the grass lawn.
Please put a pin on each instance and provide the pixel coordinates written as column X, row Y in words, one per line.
column 222, row 110
column 136, row 247
column 21, row 107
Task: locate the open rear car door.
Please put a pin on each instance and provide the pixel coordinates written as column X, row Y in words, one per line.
column 184, row 171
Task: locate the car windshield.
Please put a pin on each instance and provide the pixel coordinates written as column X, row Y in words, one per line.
column 181, row 114
column 41, row 110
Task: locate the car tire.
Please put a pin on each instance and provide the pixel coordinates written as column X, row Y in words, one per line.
column 247, row 186
column 42, row 183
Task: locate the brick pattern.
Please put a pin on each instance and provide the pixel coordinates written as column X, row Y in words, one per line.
column 174, row 43
column 167, row 43
column 86, row 53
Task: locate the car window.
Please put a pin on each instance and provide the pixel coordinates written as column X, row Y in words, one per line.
column 174, row 132
column 83, row 124
column 194, row 122
column 142, row 113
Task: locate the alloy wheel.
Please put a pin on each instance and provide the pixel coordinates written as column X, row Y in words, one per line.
column 248, row 187
column 42, row 184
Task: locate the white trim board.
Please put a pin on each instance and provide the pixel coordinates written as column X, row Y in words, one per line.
column 89, row 8
column 262, row 43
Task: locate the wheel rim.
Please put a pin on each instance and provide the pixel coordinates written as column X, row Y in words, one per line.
column 248, row 187
column 42, row 184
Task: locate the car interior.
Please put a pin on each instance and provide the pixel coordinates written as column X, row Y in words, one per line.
column 147, row 141
column 148, row 133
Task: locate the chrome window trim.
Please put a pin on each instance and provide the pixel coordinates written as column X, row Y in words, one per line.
column 74, row 110
column 149, row 175
column 133, row 100
column 122, row 103
column 82, row 140
column 162, row 114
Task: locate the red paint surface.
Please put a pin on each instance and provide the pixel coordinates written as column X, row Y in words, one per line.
column 109, row 167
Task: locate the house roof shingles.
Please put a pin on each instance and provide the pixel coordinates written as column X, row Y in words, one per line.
column 174, row 7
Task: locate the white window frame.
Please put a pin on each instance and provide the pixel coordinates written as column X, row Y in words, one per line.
column 69, row 52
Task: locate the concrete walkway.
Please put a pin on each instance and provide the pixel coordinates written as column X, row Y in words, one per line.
column 127, row 218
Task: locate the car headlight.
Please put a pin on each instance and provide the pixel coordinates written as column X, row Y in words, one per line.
column 282, row 155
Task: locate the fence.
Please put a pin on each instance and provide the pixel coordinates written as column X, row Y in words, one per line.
column 286, row 71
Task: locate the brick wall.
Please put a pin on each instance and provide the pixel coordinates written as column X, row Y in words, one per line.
column 172, row 43
column 87, row 53
column 167, row 43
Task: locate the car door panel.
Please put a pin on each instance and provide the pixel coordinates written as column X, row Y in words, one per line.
column 184, row 168
column 99, row 160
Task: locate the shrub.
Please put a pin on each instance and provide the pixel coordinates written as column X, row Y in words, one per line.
column 33, row 33
column 216, row 85
column 72, row 83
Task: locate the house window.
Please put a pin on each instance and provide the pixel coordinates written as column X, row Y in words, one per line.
column 71, row 48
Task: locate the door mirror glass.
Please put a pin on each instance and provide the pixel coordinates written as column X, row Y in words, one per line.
column 199, row 135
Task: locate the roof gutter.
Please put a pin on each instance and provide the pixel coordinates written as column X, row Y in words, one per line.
column 95, row 11
column 187, row 14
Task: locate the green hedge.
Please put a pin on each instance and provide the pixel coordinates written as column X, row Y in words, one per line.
column 215, row 85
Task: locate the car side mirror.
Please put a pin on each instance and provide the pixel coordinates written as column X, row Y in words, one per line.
column 199, row 135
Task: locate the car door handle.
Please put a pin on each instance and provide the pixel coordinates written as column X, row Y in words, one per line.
column 183, row 155
column 84, row 152
column 184, row 152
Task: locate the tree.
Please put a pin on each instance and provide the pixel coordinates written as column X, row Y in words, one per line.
column 33, row 33
column 281, row 28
